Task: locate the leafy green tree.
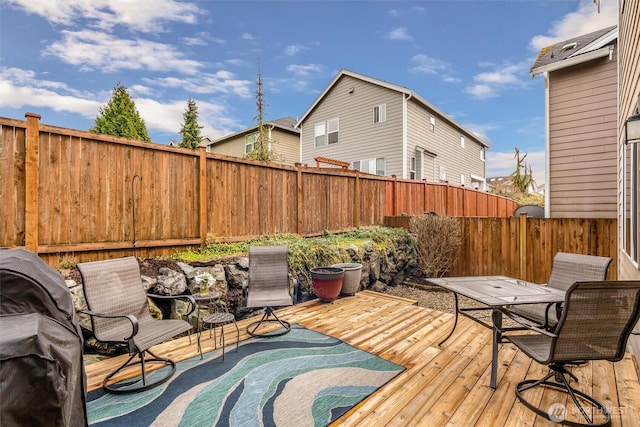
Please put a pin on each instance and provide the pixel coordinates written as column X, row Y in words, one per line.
column 120, row 117
column 261, row 149
column 190, row 131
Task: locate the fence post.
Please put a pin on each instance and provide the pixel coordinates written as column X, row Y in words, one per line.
column 395, row 195
column 32, row 180
column 204, row 211
column 523, row 246
column 356, row 202
column 299, row 197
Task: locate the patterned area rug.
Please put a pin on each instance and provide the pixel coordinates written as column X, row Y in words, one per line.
column 302, row 378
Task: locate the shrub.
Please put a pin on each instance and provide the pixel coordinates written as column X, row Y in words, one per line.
column 437, row 241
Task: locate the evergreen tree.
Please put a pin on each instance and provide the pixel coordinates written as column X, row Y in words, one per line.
column 190, row 131
column 120, row 117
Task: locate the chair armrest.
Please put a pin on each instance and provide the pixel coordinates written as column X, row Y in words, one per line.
column 526, row 325
column 295, row 289
column 245, row 291
column 190, row 299
column 130, row 317
column 558, row 306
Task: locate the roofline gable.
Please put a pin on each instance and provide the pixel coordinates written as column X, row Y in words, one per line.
column 252, row 129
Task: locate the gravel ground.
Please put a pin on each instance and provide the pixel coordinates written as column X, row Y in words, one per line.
column 428, row 296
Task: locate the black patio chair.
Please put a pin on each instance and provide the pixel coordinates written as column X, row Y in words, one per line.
column 595, row 324
column 119, row 313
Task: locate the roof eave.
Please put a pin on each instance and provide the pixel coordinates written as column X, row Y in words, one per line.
column 571, row 61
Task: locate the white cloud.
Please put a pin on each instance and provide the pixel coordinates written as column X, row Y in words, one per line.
column 20, row 89
column 248, row 36
column 583, row 21
column 428, row 65
column 93, row 50
column 167, row 117
column 139, row 15
column 222, row 82
column 306, row 70
column 398, row 34
column 200, row 39
column 295, row 49
column 491, row 84
column 424, row 64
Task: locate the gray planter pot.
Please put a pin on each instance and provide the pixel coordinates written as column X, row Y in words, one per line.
column 352, row 277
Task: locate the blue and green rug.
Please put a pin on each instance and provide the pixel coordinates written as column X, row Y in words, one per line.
column 302, row 378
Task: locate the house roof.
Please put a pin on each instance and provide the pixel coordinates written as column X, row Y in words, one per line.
column 286, row 124
column 390, row 86
column 575, row 51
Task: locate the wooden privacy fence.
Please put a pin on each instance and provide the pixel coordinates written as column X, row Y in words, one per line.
column 524, row 247
column 65, row 191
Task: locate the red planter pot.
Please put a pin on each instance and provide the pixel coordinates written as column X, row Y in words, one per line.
column 327, row 282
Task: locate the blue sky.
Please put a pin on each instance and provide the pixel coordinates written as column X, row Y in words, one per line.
column 470, row 58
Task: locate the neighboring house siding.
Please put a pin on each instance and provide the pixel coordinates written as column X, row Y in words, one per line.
column 582, row 134
column 444, row 141
column 285, row 143
column 359, row 138
column 232, row 147
column 352, row 100
column 287, row 146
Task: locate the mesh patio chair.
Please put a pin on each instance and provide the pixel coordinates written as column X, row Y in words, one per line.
column 595, row 324
column 268, row 287
column 119, row 313
column 567, row 269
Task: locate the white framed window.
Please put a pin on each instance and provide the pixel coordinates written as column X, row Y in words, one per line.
column 380, row 113
column 432, row 123
column 250, row 142
column 333, row 126
column 461, row 141
column 412, row 167
column 372, row 166
column 319, row 134
column 482, row 154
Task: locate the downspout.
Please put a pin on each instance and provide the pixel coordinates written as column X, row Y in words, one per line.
column 547, row 146
column 405, row 138
column 270, row 127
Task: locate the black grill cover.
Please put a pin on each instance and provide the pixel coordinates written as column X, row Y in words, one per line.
column 41, row 347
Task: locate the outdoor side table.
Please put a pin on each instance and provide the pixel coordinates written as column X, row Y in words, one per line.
column 204, row 302
column 220, row 318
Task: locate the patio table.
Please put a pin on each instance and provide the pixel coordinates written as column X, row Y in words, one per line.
column 495, row 293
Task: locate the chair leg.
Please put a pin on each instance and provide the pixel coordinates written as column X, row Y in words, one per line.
column 271, row 317
column 563, row 385
column 124, row 389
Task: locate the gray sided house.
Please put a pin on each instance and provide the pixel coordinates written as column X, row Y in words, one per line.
column 284, row 141
column 386, row 129
column 580, row 78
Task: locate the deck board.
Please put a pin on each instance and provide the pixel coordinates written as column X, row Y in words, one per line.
column 442, row 385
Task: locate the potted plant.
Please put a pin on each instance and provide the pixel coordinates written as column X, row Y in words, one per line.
column 327, row 282
column 352, row 276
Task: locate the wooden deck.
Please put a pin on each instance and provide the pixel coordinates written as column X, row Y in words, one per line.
column 447, row 385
